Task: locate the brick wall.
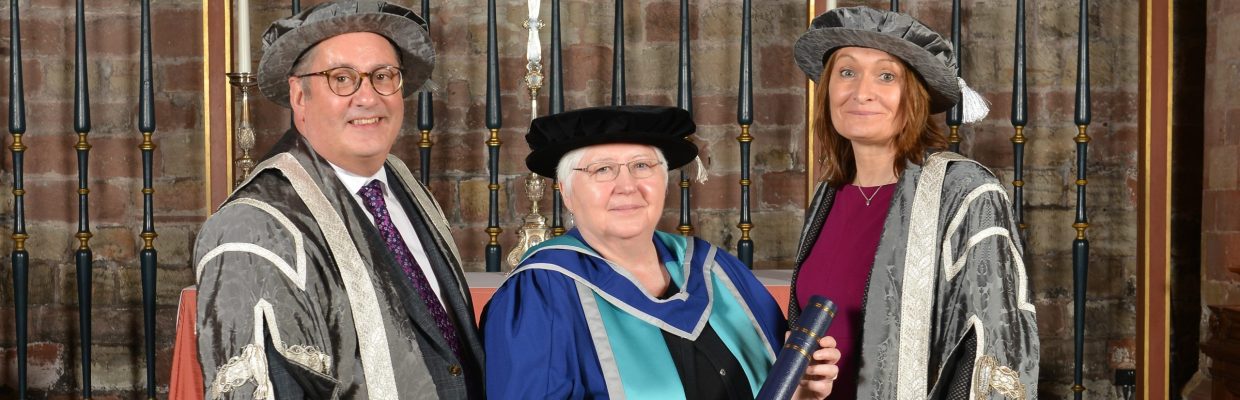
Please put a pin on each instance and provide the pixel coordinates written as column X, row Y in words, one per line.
column 459, row 177
column 1221, row 224
column 1220, row 228
column 115, row 184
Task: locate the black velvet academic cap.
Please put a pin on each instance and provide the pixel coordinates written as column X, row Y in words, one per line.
column 666, row 128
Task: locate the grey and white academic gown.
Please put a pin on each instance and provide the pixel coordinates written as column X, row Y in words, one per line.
column 946, row 313
column 299, row 296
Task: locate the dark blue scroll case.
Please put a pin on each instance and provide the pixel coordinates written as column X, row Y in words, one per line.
column 801, row 343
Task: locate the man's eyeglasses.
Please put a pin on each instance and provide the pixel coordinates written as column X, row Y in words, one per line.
column 608, row 171
column 345, row 81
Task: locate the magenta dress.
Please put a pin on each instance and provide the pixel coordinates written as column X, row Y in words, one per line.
column 838, row 267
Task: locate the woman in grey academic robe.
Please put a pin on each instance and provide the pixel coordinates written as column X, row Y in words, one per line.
column 917, row 246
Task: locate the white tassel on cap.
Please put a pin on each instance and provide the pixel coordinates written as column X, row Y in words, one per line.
column 973, row 107
column 701, row 170
column 429, row 87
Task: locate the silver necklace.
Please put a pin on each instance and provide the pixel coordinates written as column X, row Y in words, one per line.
column 869, row 198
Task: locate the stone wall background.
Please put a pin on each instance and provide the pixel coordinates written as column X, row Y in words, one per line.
column 115, row 183
column 459, row 177
column 1220, row 223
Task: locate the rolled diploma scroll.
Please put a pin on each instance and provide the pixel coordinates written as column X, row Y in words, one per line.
column 789, row 367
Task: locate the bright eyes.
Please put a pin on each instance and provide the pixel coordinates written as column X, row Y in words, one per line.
column 883, row 76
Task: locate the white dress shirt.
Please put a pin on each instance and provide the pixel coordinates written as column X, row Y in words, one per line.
column 354, row 183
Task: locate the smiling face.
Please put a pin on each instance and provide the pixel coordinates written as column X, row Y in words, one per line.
column 864, row 95
column 624, row 208
column 354, row 132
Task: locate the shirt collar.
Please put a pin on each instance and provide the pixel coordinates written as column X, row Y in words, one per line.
column 354, row 182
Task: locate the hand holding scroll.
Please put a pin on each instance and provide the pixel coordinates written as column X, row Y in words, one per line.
column 805, row 367
column 820, row 374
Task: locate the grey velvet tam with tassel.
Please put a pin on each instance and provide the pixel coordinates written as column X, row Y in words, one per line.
column 287, row 39
column 906, row 38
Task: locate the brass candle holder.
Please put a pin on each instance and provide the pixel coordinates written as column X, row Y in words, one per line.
column 243, row 132
column 534, row 230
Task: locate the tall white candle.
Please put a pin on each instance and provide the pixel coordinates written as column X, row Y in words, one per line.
column 533, row 49
column 243, row 36
column 830, row 4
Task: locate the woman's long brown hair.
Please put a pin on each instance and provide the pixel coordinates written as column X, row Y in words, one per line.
column 916, row 136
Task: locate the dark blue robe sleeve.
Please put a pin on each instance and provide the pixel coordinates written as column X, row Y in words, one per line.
column 537, row 342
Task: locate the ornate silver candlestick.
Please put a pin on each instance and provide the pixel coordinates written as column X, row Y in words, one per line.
column 243, row 133
column 535, row 229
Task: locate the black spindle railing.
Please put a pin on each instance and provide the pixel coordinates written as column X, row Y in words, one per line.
column 19, row 256
column 684, row 99
column 296, row 7
column 895, row 5
column 556, row 93
column 146, row 125
column 954, row 114
column 83, row 255
column 494, row 121
column 426, row 112
column 617, row 52
column 1080, row 246
column 1020, row 116
column 744, row 117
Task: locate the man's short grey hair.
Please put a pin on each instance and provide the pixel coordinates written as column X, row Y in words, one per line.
column 564, row 170
column 301, row 65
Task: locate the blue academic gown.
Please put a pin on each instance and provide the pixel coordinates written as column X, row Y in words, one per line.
column 568, row 324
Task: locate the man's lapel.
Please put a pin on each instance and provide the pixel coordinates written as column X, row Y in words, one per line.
column 453, row 291
column 386, row 273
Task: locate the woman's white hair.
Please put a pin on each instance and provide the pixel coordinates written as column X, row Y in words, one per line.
column 564, row 170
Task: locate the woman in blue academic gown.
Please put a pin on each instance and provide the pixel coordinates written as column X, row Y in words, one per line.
column 616, row 309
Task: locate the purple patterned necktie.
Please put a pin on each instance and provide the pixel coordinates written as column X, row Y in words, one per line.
column 372, row 193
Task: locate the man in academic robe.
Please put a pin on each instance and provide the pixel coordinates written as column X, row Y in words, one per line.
column 330, row 272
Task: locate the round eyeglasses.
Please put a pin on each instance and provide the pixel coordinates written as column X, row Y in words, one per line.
column 608, row 171
column 345, row 81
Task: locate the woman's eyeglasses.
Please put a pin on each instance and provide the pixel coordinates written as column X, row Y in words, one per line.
column 608, row 171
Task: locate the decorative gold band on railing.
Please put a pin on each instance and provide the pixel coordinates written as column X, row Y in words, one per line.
column 424, row 141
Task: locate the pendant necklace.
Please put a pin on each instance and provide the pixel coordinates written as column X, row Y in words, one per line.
column 869, row 198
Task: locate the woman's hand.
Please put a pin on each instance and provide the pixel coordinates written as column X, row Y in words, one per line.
column 820, row 375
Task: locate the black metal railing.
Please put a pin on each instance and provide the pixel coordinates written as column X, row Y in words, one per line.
column 555, row 92
column 684, row 99
column 148, row 256
column 19, row 255
column 1020, row 116
column 426, row 113
column 494, row 122
column 618, row 96
column 1080, row 245
column 954, row 115
column 83, row 256
column 744, row 118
